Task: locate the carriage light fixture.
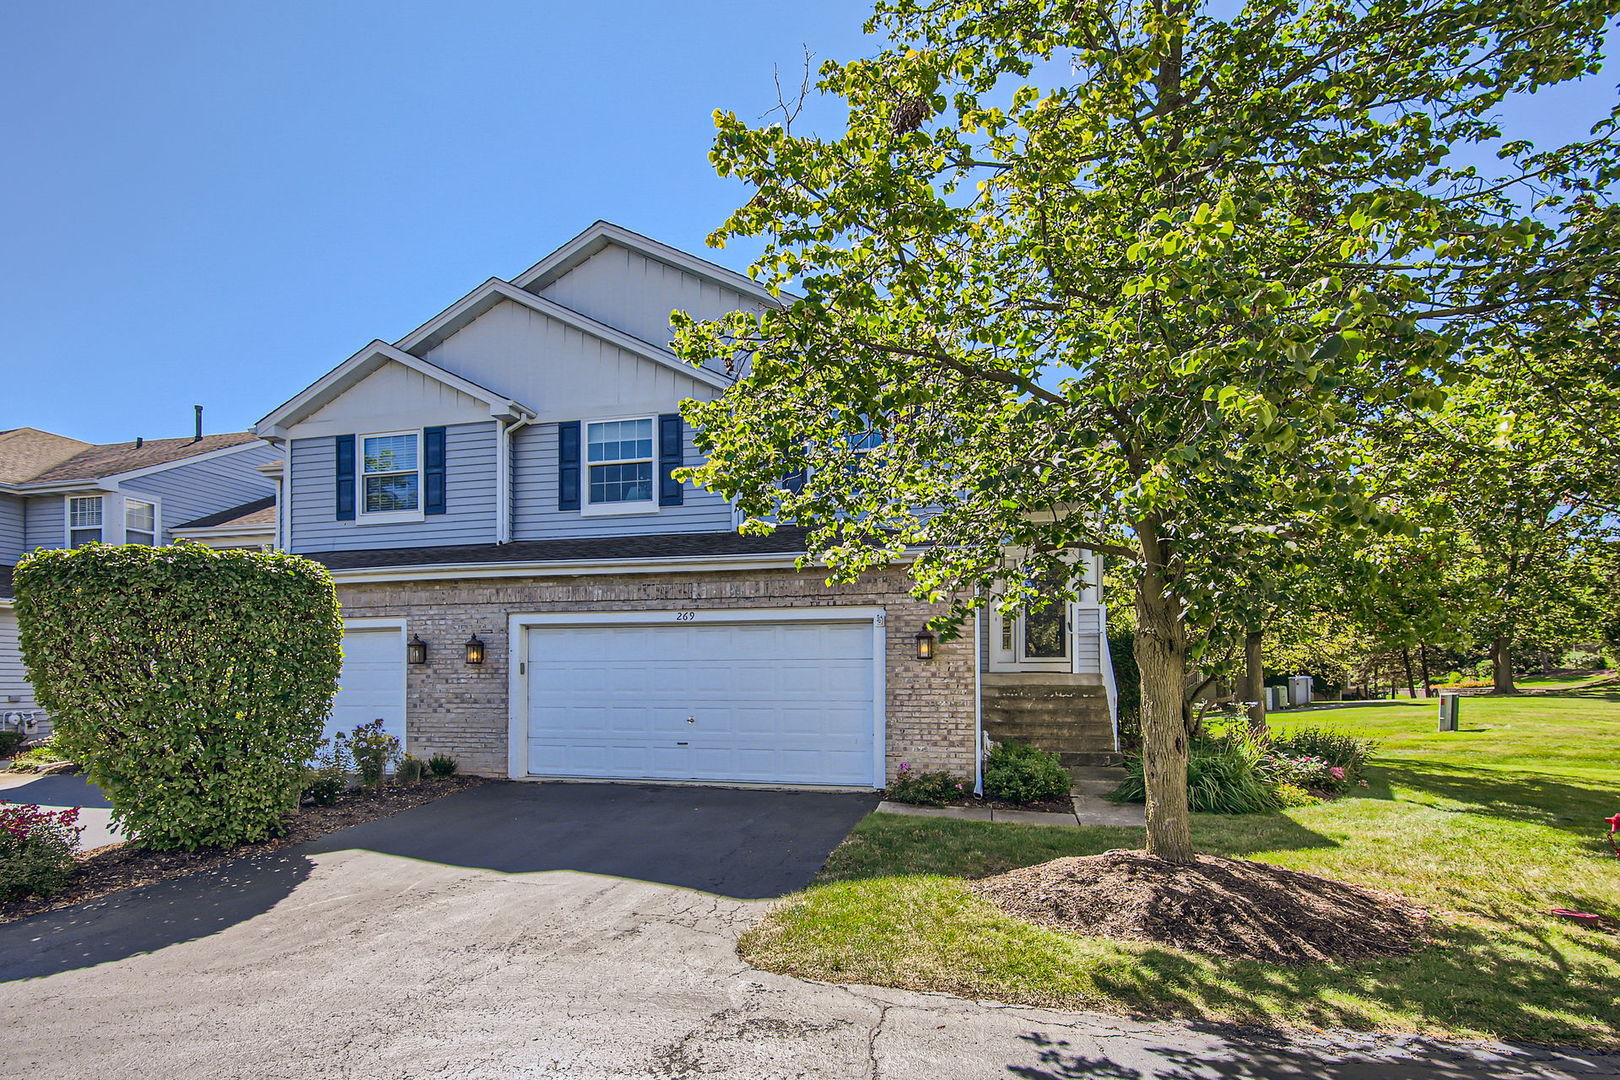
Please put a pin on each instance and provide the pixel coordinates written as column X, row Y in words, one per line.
column 925, row 644
column 416, row 651
column 475, row 650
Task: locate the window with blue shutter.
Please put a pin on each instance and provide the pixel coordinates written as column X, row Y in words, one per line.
column 345, row 477
column 433, row 470
column 568, row 465
column 671, row 456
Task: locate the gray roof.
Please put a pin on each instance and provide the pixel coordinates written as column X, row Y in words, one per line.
column 25, row 452
column 258, row 512
column 784, row 541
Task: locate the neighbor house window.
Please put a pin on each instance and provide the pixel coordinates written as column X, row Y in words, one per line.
column 620, row 455
column 140, row 522
column 392, row 477
column 84, row 520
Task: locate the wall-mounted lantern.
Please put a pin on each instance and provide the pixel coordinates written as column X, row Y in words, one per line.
column 925, row 644
column 416, row 651
column 475, row 650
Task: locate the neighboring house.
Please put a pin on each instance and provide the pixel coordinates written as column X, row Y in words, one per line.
column 527, row 588
column 57, row 492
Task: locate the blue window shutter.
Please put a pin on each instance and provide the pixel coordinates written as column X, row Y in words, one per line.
column 568, row 465
column 794, row 481
column 671, row 456
column 345, row 477
column 433, row 470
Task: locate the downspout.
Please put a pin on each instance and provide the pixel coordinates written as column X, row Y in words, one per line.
column 978, row 703
column 503, row 478
column 1110, row 687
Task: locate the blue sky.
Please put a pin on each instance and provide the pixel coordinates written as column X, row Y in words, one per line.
column 216, row 202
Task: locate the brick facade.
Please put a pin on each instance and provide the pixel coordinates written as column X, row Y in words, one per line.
column 459, row 709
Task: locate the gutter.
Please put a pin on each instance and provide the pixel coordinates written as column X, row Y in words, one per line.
column 503, row 477
column 567, row 568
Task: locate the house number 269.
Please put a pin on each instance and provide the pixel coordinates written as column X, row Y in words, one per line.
column 685, row 616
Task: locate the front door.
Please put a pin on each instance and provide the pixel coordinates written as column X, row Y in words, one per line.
column 1033, row 640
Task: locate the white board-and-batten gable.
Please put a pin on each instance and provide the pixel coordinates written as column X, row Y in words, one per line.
column 564, row 367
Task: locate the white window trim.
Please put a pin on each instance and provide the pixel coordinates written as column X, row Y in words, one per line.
column 68, row 527
column 363, row 516
column 615, row 509
column 123, row 518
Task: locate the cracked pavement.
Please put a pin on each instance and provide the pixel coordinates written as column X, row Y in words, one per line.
column 395, row 951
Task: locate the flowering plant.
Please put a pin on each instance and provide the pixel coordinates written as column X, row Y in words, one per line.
column 38, row 849
column 1614, row 827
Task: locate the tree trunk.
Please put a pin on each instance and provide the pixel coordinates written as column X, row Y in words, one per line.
column 1254, row 678
column 1161, row 658
column 1502, row 665
column 1423, row 662
column 1411, row 682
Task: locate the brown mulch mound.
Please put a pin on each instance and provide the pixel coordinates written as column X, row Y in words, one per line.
column 117, row 867
column 1228, row 907
column 1050, row 806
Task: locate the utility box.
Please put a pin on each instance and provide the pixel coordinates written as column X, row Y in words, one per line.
column 1448, row 711
column 1299, row 690
column 1276, row 698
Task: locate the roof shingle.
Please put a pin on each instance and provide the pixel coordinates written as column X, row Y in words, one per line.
column 784, row 541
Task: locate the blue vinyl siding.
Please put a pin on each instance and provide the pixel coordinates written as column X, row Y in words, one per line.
column 534, row 499
column 45, row 523
column 190, row 491
column 469, row 516
column 12, row 510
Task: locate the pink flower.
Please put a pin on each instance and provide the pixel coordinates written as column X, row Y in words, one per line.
column 1338, row 773
column 1614, row 823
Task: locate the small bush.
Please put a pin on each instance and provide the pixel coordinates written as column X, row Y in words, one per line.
column 1225, row 775
column 374, row 751
column 322, row 786
column 10, row 741
column 1019, row 773
column 1292, row 795
column 410, row 770
column 38, row 849
column 442, row 765
column 1344, row 751
column 926, row 788
column 190, row 683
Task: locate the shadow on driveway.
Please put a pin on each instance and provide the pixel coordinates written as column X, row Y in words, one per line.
column 747, row 844
column 743, row 844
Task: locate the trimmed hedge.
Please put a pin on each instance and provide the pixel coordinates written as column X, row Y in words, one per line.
column 191, row 684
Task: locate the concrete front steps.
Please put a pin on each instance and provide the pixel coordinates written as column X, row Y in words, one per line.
column 1054, row 712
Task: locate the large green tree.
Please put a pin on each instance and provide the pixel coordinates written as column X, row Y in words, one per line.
column 1130, row 277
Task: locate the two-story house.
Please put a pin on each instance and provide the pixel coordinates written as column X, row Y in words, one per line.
column 527, row 587
column 57, row 492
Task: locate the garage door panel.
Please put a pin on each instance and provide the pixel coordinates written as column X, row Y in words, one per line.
column 371, row 683
column 771, row 702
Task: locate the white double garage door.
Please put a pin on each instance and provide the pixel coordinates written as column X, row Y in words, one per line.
column 783, row 697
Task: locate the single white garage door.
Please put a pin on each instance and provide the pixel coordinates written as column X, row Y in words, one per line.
column 787, row 702
column 372, row 683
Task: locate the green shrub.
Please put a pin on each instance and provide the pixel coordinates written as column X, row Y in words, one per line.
column 1127, row 684
column 10, row 741
column 1225, row 775
column 1018, row 773
column 374, row 752
column 926, row 788
column 410, row 769
column 442, row 765
column 33, row 759
column 190, row 683
column 38, row 849
column 1291, row 795
column 323, row 786
column 1344, row 751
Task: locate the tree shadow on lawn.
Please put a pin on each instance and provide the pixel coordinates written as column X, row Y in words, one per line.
column 148, row 918
column 1524, row 797
column 1466, row 977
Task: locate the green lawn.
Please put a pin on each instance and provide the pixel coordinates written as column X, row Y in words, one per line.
column 1488, row 828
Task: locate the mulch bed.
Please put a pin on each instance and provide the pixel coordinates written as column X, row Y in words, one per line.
column 1227, row 907
column 1050, row 806
column 117, row 867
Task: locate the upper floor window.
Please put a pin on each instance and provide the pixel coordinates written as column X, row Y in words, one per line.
column 84, row 520
column 140, row 522
column 620, row 456
column 391, row 473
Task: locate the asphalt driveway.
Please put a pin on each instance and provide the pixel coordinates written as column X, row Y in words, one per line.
column 581, row 931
